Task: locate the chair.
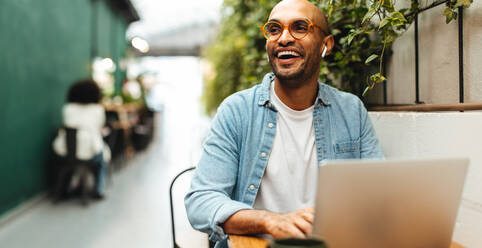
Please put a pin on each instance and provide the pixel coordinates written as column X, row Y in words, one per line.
column 142, row 131
column 115, row 138
column 72, row 167
column 109, row 138
column 174, row 242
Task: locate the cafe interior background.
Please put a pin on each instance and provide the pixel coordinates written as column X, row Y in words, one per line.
column 150, row 60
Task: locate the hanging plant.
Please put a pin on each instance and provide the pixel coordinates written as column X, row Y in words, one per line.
column 364, row 31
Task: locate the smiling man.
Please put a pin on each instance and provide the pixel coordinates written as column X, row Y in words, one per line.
column 258, row 171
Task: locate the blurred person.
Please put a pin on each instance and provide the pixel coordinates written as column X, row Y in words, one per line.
column 258, row 172
column 84, row 112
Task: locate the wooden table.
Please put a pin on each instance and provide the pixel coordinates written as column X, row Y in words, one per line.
column 128, row 117
column 239, row 241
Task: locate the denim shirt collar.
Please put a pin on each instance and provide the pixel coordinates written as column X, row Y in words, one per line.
column 264, row 100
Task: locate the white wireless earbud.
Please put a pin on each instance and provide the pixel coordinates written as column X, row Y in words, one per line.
column 324, row 52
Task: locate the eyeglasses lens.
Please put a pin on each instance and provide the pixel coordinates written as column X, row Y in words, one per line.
column 298, row 29
column 273, row 30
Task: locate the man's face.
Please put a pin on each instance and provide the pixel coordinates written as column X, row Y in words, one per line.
column 293, row 59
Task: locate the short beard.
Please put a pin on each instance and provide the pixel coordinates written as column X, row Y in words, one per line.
column 297, row 75
column 297, row 79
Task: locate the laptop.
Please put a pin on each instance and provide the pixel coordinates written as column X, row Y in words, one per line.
column 389, row 203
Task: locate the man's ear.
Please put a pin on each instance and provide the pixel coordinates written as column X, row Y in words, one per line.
column 329, row 43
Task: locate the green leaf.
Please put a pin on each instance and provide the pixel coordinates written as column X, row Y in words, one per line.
column 388, row 5
column 377, row 3
column 338, row 56
column 351, row 36
column 398, row 15
column 368, row 15
column 397, row 22
column 371, row 58
column 384, row 22
column 397, row 19
column 335, row 31
column 403, row 10
column 374, row 77
column 449, row 15
column 355, row 58
column 329, row 11
column 447, row 11
column 377, row 78
column 462, row 3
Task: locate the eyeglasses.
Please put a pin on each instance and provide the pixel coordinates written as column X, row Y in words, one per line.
column 272, row 30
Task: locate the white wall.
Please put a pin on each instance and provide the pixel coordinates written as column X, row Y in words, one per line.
column 418, row 135
column 438, row 53
column 409, row 135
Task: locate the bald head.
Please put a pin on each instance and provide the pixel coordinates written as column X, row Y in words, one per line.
column 309, row 9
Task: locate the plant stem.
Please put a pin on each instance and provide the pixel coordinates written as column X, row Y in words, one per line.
column 381, row 57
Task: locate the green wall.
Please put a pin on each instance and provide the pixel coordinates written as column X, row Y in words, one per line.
column 110, row 41
column 44, row 46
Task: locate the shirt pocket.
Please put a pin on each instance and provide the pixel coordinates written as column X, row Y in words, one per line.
column 347, row 149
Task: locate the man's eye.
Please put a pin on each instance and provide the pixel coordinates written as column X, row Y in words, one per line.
column 300, row 27
column 274, row 28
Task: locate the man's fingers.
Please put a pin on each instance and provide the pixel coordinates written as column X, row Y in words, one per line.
column 295, row 232
column 308, row 214
column 309, row 217
column 286, row 230
column 296, row 224
column 303, row 225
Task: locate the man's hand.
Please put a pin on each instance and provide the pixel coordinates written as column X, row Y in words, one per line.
column 295, row 224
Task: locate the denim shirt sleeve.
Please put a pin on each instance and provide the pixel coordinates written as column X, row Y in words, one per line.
column 369, row 145
column 209, row 202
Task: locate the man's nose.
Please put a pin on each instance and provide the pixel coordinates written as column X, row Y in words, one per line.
column 286, row 38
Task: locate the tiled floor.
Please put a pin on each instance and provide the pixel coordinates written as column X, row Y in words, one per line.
column 136, row 210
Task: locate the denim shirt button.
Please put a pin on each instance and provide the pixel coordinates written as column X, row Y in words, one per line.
column 263, row 154
column 251, row 187
column 270, row 125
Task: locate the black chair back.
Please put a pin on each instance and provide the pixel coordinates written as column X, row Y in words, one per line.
column 71, row 140
column 175, row 245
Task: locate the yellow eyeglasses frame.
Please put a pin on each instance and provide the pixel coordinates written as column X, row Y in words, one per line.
column 310, row 25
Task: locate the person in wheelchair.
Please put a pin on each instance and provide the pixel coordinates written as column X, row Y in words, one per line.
column 84, row 113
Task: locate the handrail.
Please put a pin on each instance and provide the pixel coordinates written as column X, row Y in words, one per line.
column 433, row 5
column 415, row 14
column 429, row 107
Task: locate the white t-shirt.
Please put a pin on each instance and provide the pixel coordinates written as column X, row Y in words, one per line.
column 88, row 119
column 290, row 178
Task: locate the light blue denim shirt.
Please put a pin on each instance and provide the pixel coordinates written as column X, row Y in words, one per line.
column 237, row 149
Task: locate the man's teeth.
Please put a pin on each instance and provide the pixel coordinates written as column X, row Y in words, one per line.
column 288, row 53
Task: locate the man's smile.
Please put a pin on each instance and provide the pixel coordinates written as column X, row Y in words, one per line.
column 287, row 56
